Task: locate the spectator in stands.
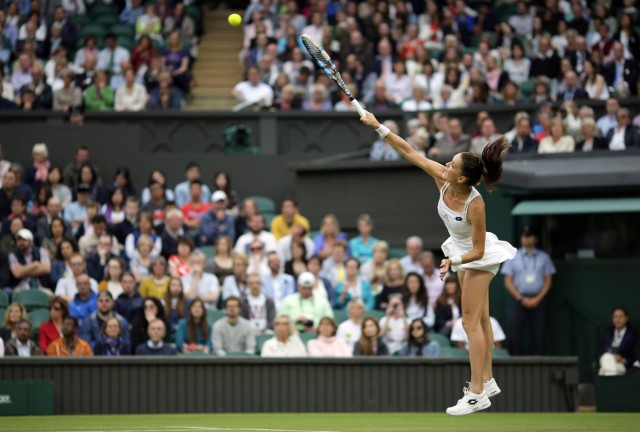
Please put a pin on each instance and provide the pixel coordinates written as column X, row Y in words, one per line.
column 140, row 263
column 282, row 224
column 132, row 12
column 199, row 283
column 524, row 142
column 327, row 344
column 303, row 307
column 112, row 342
column 617, row 344
column 84, row 302
column 610, row 120
column 113, row 209
column 221, row 264
column 353, row 286
column 59, row 189
column 394, row 325
column 183, row 189
column 74, row 7
column 370, row 343
column 418, row 343
column 624, row 135
column 76, row 212
column 361, row 247
column 14, row 313
column 488, row 135
column 318, row 99
column 58, row 233
column 112, row 58
column 216, row 222
column 52, row 329
column 182, row 23
column 286, row 342
column 594, row 83
column 277, row 284
column 19, row 211
column 233, row 333
column 21, row 344
column 69, row 96
column 628, row 36
column 89, row 242
column 460, row 339
column 66, row 286
column 350, row 330
column 431, row 277
column 52, row 212
column 87, row 58
column 545, row 61
column 415, row 300
column 130, row 301
column 455, row 141
column 177, row 61
column 156, row 284
column 98, row 260
column 37, row 175
column 411, row 261
column 71, row 172
column 171, row 232
column 175, row 304
column 380, row 150
column 179, row 265
column 194, row 332
column 235, row 285
column 113, row 274
column 622, row 73
column 329, row 234
column 222, row 182
column 590, row 141
column 558, row 141
column 392, row 282
column 131, row 96
column 151, row 310
column 156, row 345
column 528, row 278
column 194, row 208
column 156, row 204
column 69, row 344
column 572, row 90
column 380, row 101
column 253, row 91
column 256, row 232
column 9, row 189
column 448, row 307
column 145, row 227
column 258, row 308
column 517, row 66
column 92, row 325
column 8, row 241
column 29, row 265
column 61, row 266
column 374, row 270
column 142, row 56
column 149, row 24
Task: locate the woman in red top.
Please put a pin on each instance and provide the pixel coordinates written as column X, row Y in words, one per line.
column 52, row 329
column 142, row 53
column 179, row 263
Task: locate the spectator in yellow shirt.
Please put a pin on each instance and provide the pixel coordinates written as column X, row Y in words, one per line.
column 157, row 284
column 281, row 225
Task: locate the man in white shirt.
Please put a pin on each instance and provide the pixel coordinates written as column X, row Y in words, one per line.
column 624, row 135
column 610, row 120
column 286, row 342
column 256, row 232
column 522, row 21
column 110, row 59
column 299, row 233
column 253, row 90
column 431, row 277
column 259, row 309
column 66, row 286
column 411, row 262
column 278, row 284
column 22, row 345
column 459, row 336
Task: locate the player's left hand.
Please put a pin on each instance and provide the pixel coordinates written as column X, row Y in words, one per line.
column 445, row 264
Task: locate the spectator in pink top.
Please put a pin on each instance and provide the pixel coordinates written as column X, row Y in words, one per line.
column 327, row 344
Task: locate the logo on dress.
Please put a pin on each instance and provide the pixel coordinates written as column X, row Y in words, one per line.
column 458, row 218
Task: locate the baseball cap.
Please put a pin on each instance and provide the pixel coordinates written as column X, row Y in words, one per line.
column 306, row 279
column 218, row 196
column 84, row 187
column 24, row 234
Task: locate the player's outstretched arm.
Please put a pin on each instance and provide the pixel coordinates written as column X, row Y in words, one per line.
column 434, row 169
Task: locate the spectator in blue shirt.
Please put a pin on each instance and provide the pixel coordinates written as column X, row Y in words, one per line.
column 76, row 212
column 131, row 13
column 129, row 303
column 85, row 301
column 528, row 279
column 362, row 246
column 91, row 328
column 216, row 222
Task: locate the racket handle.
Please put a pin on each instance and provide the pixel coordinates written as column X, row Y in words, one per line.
column 358, row 108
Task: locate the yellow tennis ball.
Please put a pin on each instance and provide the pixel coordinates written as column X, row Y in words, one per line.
column 235, row 19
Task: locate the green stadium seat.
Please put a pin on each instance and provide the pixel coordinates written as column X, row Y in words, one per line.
column 260, row 340
column 99, row 9
column 127, row 43
column 158, row 45
column 435, row 53
column 79, row 21
column 265, row 204
column 92, row 29
column 240, row 354
column 4, row 300
column 2, row 312
column 123, row 30
column 306, row 337
column 500, row 353
column 195, row 12
column 214, row 315
column 340, row 316
column 32, row 299
column 453, row 352
column 106, row 20
column 526, row 87
column 442, row 340
column 397, row 253
column 37, row 317
column 209, row 251
column 377, row 314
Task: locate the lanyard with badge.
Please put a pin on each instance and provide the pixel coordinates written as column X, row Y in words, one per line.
column 529, row 274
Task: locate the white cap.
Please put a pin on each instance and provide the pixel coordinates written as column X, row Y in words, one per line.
column 218, row 196
column 25, row 234
column 306, row 279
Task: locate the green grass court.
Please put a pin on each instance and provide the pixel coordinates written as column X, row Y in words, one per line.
column 325, row 423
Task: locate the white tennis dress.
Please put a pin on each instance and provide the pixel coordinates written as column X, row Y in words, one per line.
column 496, row 251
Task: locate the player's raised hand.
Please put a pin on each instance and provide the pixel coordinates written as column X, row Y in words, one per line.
column 370, row 120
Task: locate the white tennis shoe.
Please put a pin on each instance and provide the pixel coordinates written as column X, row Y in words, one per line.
column 491, row 388
column 470, row 403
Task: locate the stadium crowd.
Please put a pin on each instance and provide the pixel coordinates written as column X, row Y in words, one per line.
column 99, row 56
column 92, row 266
column 416, row 56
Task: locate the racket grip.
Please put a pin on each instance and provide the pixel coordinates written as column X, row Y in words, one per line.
column 358, row 108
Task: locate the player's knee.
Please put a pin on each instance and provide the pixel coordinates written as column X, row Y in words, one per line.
column 470, row 323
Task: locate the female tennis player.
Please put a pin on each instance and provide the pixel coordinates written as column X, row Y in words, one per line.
column 470, row 250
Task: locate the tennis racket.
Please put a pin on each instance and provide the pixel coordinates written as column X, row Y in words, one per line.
column 325, row 63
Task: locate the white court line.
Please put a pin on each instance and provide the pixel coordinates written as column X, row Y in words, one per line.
column 205, row 428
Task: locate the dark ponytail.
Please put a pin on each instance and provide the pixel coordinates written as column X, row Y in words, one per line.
column 488, row 167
